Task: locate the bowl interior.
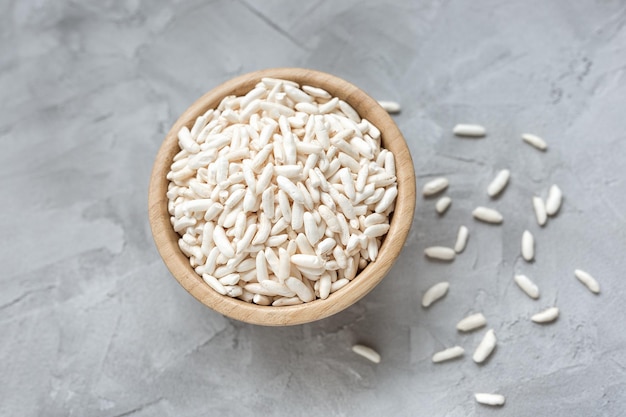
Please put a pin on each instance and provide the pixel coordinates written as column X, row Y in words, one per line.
column 166, row 238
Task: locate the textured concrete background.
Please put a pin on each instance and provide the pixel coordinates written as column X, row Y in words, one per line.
column 92, row 324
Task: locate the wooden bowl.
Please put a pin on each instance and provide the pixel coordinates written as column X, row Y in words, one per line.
column 178, row 264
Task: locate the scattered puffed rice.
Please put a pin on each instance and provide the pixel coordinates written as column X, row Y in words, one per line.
column 499, row 183
column 434, row 293
column 469, row 130
column 553, row 202
column 535, row 141
column 546, row 316
column 367, row 353
column 487, row 215
column 471, row 322
column 529, row 287
column 443, row 204
column 540, row 211
column 461, row 239
column 489, row 399
column 448, row 354
column 486, row 346
column 440, row 252
column 390, row 106
column 588, row 280
column 435, row 186
column 528, row 246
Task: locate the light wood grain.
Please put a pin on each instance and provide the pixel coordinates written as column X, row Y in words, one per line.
column 178, row 264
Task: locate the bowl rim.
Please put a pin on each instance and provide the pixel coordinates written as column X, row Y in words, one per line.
column 166, row 239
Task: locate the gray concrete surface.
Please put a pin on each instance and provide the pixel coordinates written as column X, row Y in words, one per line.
column 92, row 324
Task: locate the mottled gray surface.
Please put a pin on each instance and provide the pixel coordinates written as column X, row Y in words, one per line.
column 92, row 324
